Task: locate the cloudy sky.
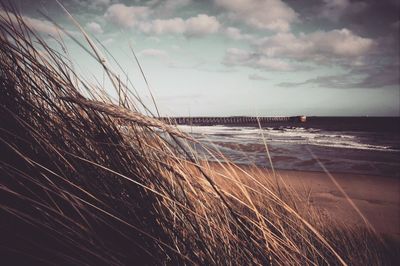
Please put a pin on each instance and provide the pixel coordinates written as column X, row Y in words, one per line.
column 244, row 57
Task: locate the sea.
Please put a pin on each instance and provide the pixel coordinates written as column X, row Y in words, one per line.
column 359, row 145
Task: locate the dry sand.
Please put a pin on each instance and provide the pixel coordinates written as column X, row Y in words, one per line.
column 377, row 197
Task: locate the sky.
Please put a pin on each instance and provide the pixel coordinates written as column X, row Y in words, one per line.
column 242, row 57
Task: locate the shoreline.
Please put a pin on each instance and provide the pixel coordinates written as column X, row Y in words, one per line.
column 267, row 169
column 377, row 197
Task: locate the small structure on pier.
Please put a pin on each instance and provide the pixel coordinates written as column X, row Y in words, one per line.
column 302, row 118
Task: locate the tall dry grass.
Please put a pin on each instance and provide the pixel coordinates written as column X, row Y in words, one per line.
column 86, row 181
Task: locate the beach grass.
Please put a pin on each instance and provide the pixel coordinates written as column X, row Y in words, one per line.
column 88, row 180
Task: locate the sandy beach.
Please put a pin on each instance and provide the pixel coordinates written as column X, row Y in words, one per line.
column 377, row 197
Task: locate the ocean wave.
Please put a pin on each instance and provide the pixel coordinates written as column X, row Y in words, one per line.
column 289, row 135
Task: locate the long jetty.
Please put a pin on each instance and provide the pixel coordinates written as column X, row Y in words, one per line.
column 231, row 120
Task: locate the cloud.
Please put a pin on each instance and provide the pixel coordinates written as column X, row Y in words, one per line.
column 101, row 2
column 93, row 4
column 334, row 9
column 136, row 16
column 378, row 76
column 37, row 25
column 153, row 53
column 126, row 16
column 329, row 81
column 366, row 77
column 257, row 77
column 272, row 15
column 195, row 26
column 94, row 28
column 168, row 7
column 286, row 51
column 340, row 43
column 164, row 26
column 154, row 39
column 239, row 57
column 201, row 25
column 320, row 46
column 396, row 25
column 107, row 41
column 236, row 34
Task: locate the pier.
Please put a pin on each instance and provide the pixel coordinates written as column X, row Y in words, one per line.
column 232, row 120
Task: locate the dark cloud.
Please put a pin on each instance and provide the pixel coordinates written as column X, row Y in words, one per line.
column 364, row 77
column 239, row 57
column 376, row 77
column 369, row 18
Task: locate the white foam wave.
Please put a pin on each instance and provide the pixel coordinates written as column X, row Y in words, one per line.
column 311, row 136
